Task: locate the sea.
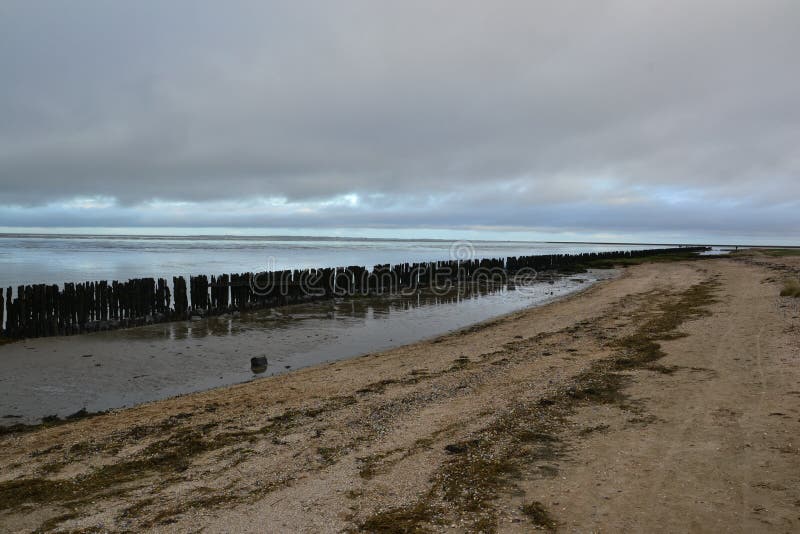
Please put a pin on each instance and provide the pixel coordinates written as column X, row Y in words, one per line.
column 55, row 259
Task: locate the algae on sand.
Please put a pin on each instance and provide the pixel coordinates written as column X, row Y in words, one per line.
column 791, row 289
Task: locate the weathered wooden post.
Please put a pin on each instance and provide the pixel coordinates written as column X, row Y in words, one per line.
column 181, row 297
column 9, row 313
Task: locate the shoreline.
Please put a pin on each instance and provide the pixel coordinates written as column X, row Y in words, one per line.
column 646, row 401
column 433, row 339
column 119, row 369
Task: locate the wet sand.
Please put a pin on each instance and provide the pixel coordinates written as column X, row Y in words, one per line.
column 665, row 400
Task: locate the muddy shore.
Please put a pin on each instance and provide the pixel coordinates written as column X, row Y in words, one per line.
column 665, row 400
column 59, row 376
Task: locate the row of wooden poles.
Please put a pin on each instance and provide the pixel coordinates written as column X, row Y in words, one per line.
column 49, row 310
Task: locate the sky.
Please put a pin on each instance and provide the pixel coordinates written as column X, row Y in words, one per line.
column 613, row 120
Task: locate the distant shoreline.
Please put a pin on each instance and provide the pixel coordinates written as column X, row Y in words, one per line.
column 5, row 235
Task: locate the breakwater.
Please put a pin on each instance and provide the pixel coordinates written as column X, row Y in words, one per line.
column 41, row 310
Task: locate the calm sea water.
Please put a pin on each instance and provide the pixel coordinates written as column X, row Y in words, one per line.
column 54, row 259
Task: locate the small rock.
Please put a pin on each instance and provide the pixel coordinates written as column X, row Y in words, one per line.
column 258, row 364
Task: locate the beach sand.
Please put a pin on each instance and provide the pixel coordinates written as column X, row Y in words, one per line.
column 667, row 399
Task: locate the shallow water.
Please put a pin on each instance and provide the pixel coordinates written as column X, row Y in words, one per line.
column 717, row 251
column 59, row 376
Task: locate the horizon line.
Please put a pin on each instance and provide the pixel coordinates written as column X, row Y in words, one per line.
column 352, row 238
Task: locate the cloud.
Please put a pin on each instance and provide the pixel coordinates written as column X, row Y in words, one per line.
column 603, row 115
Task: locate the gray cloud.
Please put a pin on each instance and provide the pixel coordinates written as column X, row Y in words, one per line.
column 609, row 114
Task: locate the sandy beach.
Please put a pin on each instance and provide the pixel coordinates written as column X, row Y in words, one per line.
column 667, row 399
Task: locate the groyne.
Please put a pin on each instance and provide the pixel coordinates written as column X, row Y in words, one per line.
column 40, row 310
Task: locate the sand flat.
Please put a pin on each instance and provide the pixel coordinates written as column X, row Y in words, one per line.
column 667, row 399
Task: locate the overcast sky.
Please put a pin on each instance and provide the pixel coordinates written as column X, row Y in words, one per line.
column 595, row 119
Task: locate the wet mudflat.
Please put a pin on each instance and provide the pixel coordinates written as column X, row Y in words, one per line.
column 59, row 376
